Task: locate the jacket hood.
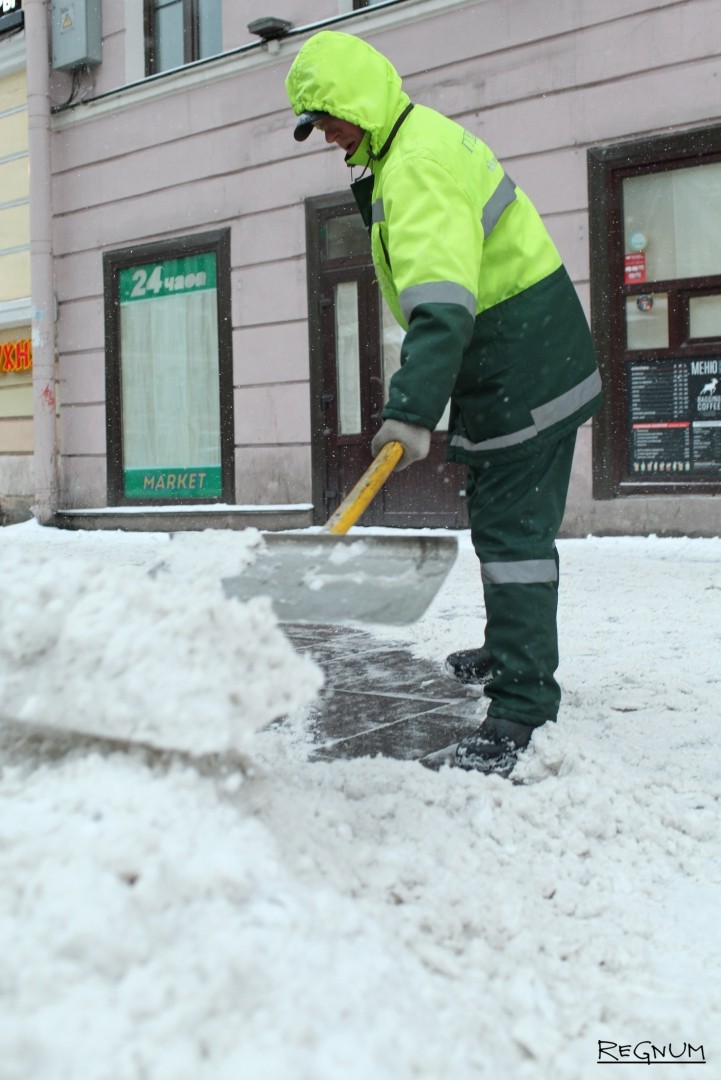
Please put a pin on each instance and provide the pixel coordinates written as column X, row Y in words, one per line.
column 342, row 75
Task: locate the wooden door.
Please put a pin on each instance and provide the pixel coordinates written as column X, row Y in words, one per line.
column 359, row 348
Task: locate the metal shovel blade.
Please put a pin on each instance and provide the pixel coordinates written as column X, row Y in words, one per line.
column 321, row 578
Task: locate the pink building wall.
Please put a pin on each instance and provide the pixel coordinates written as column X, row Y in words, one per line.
column 212, row 146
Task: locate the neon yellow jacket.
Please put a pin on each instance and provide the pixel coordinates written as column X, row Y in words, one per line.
column 464, row 262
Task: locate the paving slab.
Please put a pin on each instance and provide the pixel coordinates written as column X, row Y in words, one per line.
column 380, row 699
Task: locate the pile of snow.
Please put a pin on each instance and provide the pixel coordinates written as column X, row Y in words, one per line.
column 123, row 654
column 370, row 918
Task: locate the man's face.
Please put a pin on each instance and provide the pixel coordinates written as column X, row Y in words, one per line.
column 344, row 134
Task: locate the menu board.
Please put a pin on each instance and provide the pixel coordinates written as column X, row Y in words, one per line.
column 675, row 418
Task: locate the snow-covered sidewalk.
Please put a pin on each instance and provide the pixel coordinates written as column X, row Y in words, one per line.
column 364, row 920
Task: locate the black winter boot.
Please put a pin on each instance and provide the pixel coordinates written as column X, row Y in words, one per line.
column 494, row 748
column 470, row 666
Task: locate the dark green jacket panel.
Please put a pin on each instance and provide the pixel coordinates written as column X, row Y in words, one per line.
column 529, row 373
column 437, row 339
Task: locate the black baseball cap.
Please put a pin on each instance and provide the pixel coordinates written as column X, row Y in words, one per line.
column 304, row 124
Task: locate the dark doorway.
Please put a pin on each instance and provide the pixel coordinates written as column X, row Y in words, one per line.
column 355, row 348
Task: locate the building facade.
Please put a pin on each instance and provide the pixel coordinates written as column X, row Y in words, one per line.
column 221, row 348
column 16, row 400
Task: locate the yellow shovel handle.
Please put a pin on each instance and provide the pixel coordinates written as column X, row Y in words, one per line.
column 365, row 490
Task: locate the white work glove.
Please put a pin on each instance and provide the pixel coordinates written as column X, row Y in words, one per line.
column 416, row 441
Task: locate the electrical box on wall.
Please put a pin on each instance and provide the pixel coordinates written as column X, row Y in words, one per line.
column 76, row 34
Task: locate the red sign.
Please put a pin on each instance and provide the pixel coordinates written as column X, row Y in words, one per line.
column 634, row 267
column 16, row 356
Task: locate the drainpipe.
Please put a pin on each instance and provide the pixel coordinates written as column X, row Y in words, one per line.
column 45, row 460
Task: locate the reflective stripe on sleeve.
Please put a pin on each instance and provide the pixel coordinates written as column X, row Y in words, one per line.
column 544, row 416
column 377, row 212
column 529, row 572
column 436, row 292
column 501, row 198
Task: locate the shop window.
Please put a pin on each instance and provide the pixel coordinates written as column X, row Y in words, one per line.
column 169, row 372
column 180, row 31
column 655, row 219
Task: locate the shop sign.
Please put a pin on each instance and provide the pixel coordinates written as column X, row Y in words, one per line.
column 200, row 483
column 171, row 278
column 11, row 15
column 16, row 356
column 634, row 267
column 675, row 414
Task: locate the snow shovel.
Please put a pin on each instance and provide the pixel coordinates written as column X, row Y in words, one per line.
column 329, row 577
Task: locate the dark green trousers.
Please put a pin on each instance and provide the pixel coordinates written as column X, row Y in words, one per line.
column 516, row 509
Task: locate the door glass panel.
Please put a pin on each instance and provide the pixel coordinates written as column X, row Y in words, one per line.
column 346, row 237
column 705, row 316
column 392, row 336
column 675, row 219
column 347, row 350
column 647, row 321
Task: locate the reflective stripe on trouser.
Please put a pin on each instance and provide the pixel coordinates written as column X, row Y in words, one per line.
column 516, row 510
